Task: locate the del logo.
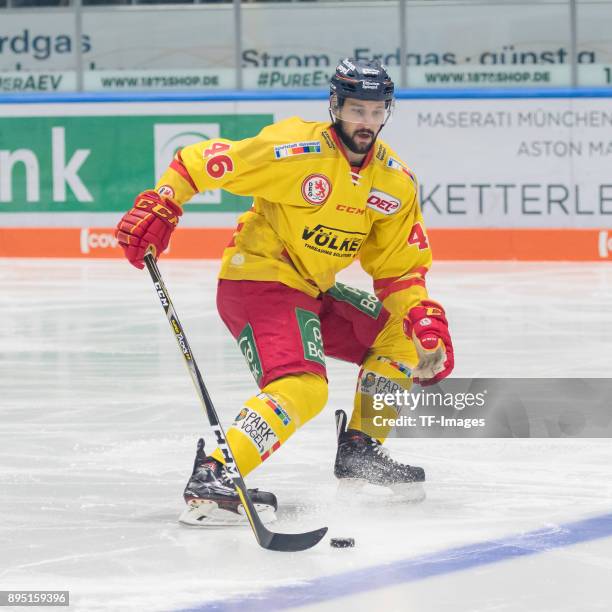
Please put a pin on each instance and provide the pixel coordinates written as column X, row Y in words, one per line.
column 383, row 202
column 332, row 241
column 170, row 137
column 316, row 189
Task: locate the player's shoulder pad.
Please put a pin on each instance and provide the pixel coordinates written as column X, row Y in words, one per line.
column 391, row 166
column 293, row 138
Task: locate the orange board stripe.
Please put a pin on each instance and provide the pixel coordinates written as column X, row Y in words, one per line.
column 208, row 243
column 519, row 244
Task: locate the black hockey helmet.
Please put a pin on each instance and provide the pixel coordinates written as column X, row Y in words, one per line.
column 362, row 79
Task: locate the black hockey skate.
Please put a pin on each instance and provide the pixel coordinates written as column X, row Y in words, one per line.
column 212, row 499
column 362, row 460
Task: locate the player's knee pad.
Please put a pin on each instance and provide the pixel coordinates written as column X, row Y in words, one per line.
column 376, row 397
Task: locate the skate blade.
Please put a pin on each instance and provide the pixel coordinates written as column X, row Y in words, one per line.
column 412, row 492
column 204, row 513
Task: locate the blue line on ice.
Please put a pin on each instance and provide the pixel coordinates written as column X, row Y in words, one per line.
column 326, row 588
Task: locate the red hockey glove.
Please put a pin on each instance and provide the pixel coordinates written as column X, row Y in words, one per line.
column 148, row 224
column 427, row 327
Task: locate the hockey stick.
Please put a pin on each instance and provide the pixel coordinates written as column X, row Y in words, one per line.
column 289, row 542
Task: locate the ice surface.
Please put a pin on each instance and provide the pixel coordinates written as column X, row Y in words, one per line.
column 98, row 424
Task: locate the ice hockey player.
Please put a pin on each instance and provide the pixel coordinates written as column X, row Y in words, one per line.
column 324, row 194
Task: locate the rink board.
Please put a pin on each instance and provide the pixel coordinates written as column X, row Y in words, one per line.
column 208, row 243
column 504, row 177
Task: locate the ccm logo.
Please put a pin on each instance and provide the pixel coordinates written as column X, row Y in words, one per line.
column 350, row 209
column 605, row 245
column 383, row 202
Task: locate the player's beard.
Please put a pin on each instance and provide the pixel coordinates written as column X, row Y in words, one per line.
column 350, row 142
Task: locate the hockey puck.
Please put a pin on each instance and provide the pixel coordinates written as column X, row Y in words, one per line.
column 342, row 542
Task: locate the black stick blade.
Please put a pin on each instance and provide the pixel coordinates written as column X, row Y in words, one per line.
column 293, row 542
column 284, row 542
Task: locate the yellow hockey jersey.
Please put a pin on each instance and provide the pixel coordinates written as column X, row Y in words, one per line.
column 312, row 213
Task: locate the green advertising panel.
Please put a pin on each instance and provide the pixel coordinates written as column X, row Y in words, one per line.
column 99, row 164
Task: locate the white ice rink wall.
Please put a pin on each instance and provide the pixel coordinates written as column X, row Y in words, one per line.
column 504, row 174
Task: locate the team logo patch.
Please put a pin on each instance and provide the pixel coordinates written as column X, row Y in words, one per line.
column 316, row 189
column 297, row 148
column 393, row 163
column 383, row 202
column 166, row 191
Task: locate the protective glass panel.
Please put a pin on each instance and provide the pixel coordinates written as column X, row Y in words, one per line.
column 37, row 50
column 594, row 20
column 159, row 48
column 297, row 45
column 485, row 44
